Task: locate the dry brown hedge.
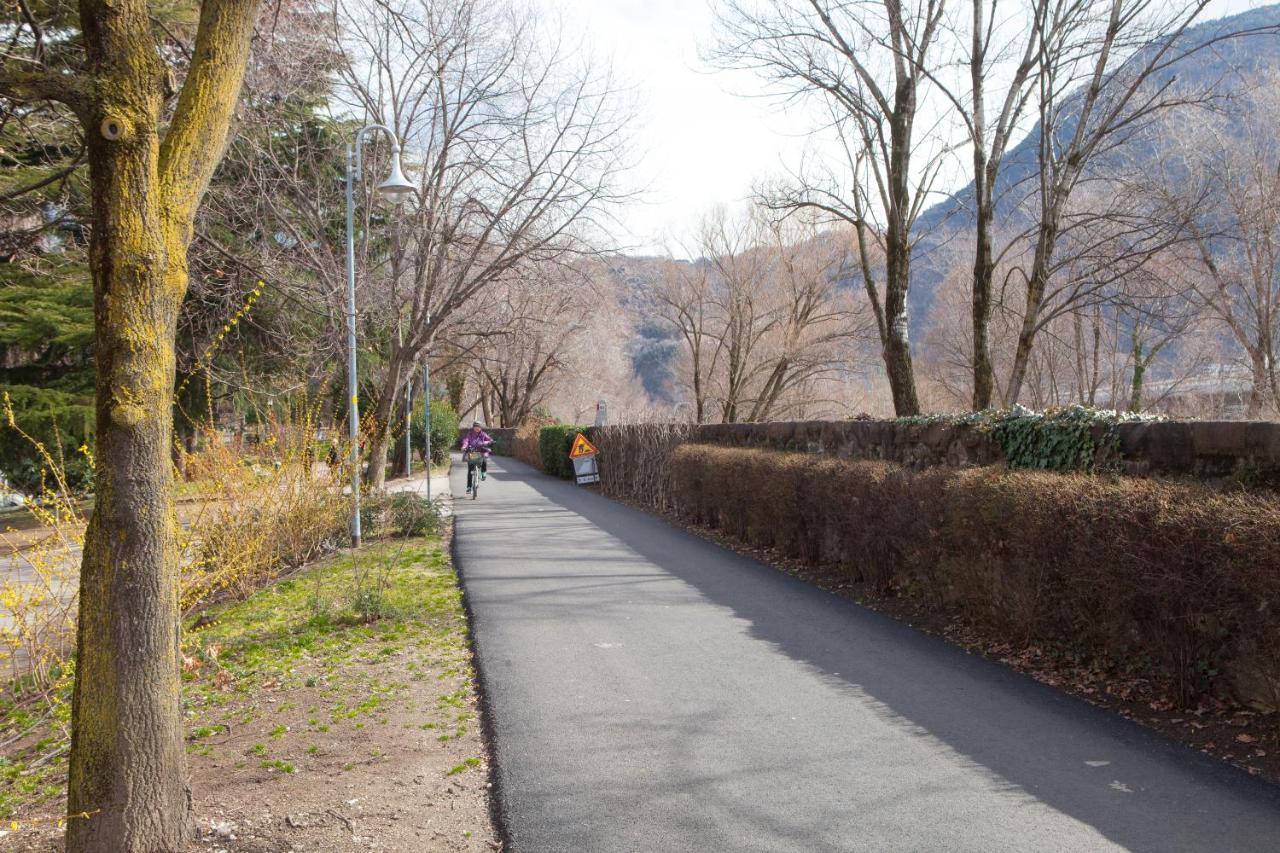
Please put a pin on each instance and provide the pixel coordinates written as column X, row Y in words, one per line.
column 635, row 461
column 1178, row 578
column 524, row 446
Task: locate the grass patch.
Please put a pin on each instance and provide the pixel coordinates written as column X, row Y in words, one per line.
column 310, row 631
column 466, row 765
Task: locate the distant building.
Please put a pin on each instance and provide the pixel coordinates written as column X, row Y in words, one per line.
column 1218, row 391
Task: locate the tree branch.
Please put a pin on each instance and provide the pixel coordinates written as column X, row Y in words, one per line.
column 34, row 86
column 201, row 121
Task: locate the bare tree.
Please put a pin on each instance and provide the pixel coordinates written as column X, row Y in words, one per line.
column 740, row 302
column 868, row 62
column 761, row 315
column 817, row 322
column 1223, row 188
column 1004, row 54
column 1106, row 71
column 516, row 344
column 1158, row 314
column 686, row 302
column 519, row 145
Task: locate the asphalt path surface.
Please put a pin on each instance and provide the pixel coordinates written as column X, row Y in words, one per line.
column 649, row 690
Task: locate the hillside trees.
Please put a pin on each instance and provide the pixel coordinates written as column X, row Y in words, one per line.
column 1106, row 72
column 148, row 168
column 686, row 303
column 1222, row 188
column 1093, row 74
column 1003, row 53
column 517, row 340
column 761, row 317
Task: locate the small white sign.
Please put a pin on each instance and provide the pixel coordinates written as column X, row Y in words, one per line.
column 585, row 470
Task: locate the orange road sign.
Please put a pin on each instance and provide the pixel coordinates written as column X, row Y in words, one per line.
column 582, row 447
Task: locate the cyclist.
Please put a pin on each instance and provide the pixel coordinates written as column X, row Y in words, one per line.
column 476, row 441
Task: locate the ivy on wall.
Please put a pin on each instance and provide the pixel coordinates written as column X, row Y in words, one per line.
column 1070, row 438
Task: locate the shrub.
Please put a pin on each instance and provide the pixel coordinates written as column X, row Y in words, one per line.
column 413, row 515
column 554, row 444
column 1179, row 575
column 525, row 444
column 444, row 431
column 375, row 513
column 255, row 516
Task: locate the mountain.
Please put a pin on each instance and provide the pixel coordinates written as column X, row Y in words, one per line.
column 634, row 282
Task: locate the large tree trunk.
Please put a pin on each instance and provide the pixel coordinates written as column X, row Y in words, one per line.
column 402, row 453
column 1139, row 378
column 699, row 404
column 1037, row 285
column 128, row 755
column 1026, row 341
column 127, row 778
column 1261, row 399
column 897, row 348
column 983, row 273
column 387, row 408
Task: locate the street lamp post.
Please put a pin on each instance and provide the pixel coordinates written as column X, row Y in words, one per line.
column 395, row 185
column 408, row 427
column 426, row 426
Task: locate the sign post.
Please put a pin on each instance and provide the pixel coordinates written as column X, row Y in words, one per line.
column 583, row 455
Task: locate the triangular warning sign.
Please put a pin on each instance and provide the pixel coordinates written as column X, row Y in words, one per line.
column 582, row 447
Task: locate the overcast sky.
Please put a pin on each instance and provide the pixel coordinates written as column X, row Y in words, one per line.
column 702, row 137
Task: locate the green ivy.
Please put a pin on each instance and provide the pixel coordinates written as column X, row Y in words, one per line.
column 1070, row 438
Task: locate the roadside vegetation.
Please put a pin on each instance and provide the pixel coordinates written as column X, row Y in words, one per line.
column 321, row 681
column 288, row 650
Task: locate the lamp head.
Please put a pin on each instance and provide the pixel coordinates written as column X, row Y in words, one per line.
column 396, row 184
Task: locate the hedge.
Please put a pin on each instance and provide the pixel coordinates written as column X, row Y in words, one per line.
column 554, row 444
column 1179, row 578
column 525, row 444
column 635, row 461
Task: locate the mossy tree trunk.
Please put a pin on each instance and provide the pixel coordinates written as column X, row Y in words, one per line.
column 127, row 771
column 384, row 412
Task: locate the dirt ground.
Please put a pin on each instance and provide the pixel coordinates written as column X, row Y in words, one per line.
column 390, row 785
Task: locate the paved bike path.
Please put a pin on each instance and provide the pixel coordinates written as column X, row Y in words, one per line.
column 649, row 690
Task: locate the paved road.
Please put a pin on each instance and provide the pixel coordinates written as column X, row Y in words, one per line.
column 650, row 691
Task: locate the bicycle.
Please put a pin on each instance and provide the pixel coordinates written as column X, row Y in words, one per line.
column 473, row 459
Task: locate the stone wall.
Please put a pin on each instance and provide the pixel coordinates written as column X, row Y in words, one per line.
column 1249, row 451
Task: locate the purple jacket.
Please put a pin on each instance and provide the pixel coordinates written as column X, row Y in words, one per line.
column 477, row 441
